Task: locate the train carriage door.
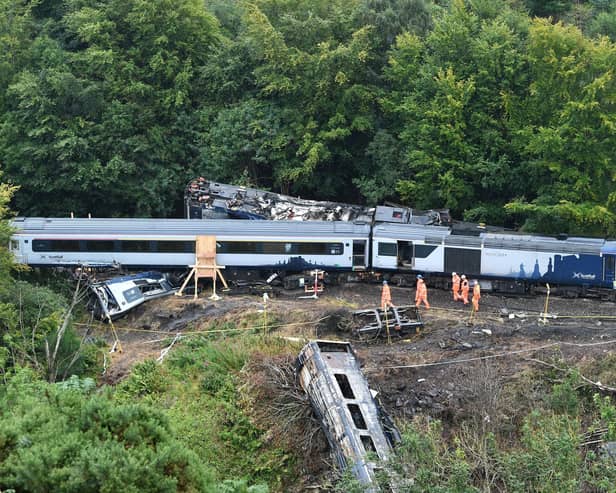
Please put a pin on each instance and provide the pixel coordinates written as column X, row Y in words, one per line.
column 406, row 254
column 14, row 248
column 609, row 270
column 359, row 254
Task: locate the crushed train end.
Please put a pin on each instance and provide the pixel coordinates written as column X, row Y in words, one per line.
column 115, row 297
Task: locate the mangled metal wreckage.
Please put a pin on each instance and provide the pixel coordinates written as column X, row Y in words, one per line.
column 205, row 199
column 114, row 297
column 357, row 429
column 393, row 321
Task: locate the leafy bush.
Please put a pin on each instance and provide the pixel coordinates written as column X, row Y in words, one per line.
column 550, row 460
column 67, row 438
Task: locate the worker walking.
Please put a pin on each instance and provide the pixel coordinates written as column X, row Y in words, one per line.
column 455, row 286
column 386, row 296
column 421, row 295
column 464, row 289
column 476, row 295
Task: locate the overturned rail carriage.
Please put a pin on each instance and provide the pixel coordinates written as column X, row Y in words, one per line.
column 356, row 427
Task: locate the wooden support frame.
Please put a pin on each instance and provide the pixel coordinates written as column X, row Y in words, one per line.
column 205, row 266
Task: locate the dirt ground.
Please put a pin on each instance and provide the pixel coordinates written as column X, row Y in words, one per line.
column 432, row 372
column 503, row 325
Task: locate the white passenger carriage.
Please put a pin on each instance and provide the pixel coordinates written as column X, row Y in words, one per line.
column 170, row 243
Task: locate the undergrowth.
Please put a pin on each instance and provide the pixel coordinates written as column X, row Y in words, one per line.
column 198, row 386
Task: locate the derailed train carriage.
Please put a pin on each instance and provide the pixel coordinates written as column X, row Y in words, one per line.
column 505, row 262
column 359, row 433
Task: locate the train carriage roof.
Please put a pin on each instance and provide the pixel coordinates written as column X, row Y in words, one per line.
column 410, row 232
column 513, row 241
column 231, row 227
column 609, row 248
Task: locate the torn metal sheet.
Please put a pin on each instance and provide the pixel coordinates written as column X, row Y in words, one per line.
column 395, row 321
column 206, row 200
column 114, row 297
column 358, row 431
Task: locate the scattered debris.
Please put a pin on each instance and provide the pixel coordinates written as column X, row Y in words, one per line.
column 115, row 297
column 353, row 422
column 393, row 321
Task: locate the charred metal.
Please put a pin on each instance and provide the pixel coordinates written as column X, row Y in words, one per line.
column 357, row 429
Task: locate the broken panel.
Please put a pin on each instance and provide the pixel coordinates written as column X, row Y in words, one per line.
column 393, row 322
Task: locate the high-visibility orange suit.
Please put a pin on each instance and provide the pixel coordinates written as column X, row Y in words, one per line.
column 386, row 296
column 455, row 286
column 476, row 296
column 464, row 290
column 421, row 295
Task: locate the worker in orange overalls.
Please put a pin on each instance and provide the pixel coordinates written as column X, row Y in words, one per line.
column 455, row 286
column 464, row 289
column 421, row 295
column 476, row 295
column 386, row 296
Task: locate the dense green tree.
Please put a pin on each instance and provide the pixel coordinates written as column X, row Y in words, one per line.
column 68, row 438
column 111, row 107
column 447, row 100
column 564, row 127
column 102, row 119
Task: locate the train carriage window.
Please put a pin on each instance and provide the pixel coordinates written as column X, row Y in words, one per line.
column 237, row 247
column 345, row 385
column 175, row 247
column 319, row 248
column 279, row 248
column 99, row 245
column 132, row 294
column 422, row 251
column 55, row 245
column 272, row 248
column 358, row 417
column 135, row 246
column 368, row 444
column 388, row 249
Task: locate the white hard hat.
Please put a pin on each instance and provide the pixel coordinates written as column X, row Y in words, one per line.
column 453, row 274
column 463, row 276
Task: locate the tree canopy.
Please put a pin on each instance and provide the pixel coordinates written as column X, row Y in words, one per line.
column 501, row 110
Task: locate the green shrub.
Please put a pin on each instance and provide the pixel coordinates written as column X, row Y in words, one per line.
column 550, row 459
column 63, row 438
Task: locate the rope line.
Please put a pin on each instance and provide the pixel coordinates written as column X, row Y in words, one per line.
column 493, row 356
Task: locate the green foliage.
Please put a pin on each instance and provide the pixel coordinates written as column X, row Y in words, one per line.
column 550, row 460
column 146, row 379
column 202, row 396
column 564, row 398
column 67, row 438
column 424, row 463
column 105, row 100
column 543, row 454
column 111, row 107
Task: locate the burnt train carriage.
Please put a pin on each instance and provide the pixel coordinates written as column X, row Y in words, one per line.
column 170, row 243
column 358, row 431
